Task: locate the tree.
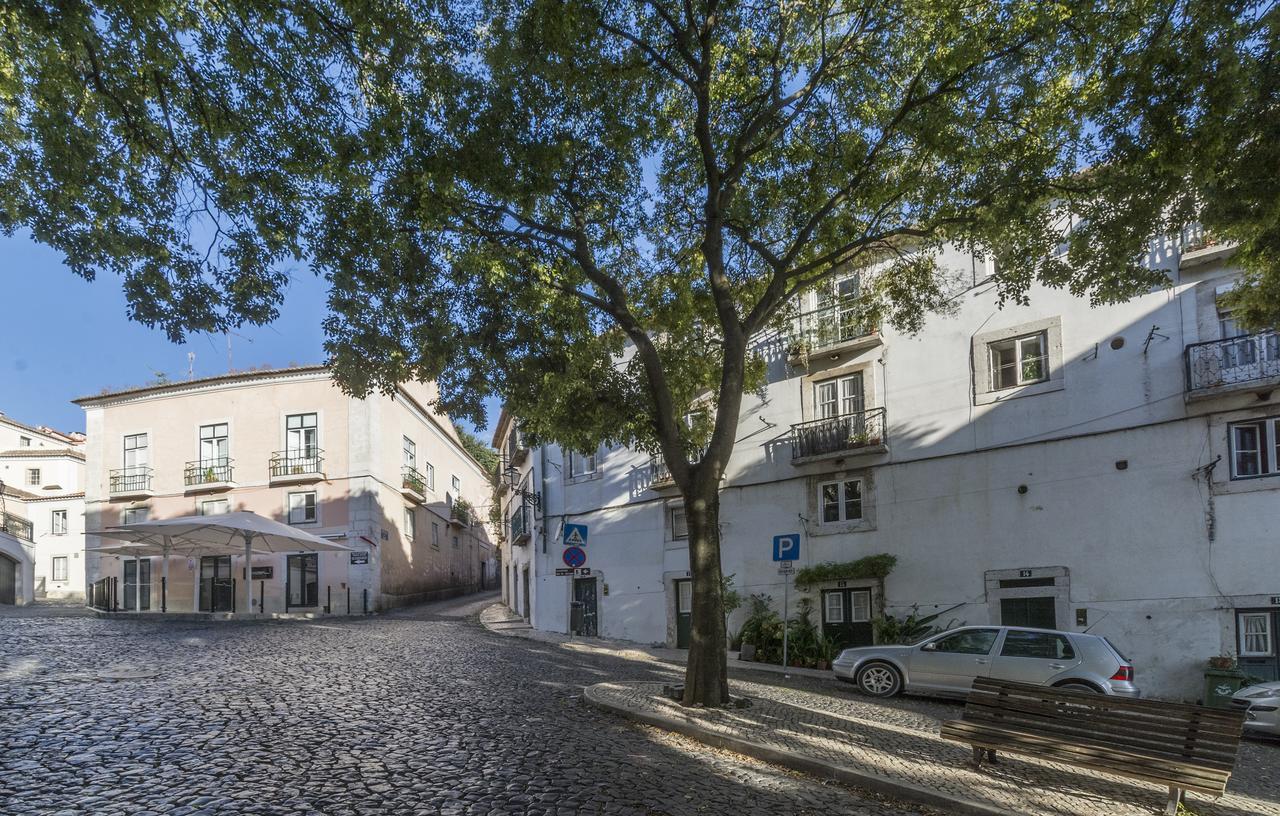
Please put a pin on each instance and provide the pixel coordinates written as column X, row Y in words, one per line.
column 482, row 453
column 596, row 208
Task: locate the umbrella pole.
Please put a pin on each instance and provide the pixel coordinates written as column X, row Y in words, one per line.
column 164, row 580
column 248, row 574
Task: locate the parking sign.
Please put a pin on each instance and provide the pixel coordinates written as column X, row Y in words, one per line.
column 786, row 547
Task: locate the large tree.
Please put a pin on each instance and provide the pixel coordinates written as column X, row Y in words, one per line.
column 597, row 208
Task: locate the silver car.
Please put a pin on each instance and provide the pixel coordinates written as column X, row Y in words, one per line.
column 1261, row 706
column 947, row 663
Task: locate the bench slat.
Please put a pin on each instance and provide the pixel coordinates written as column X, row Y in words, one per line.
column 1093, row 708
column 1189, row 778
column 1140, row 706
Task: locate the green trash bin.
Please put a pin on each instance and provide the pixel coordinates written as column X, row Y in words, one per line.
column 1220, row 684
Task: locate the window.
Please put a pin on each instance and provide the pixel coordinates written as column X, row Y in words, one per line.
column 1255, row 634
column 215, row 447
column 410, row 524
column 1019, row 361
column 410, row 453
column 457, row 485
column 679, row 523
column 1038, row 613
column 33, row 477
column 137, row 452
column 214, row 507
column 833, row 607
column 300, row 435
column 303, row 578
column 838, row 397
column 133, row 515
column 841, row 501
column 59, row 522
column 1043, row 645
column 969, row 641
column 429, row 476
column 861, row 603
column 59, row 568
column 302, row 508
column 581, row 464
column 24, row 441
column 435, row 534
column 1255, row 448
column 455, row 542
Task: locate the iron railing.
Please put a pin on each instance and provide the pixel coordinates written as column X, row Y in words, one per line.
column 103, row 594
column 16, row 526
column 826, row 327
column 207, row 471
column 1241, row 360
column 411, row 479
column 521, row 527
column 461, row 512
column 515, row 448
column 297, row 462
column 660, row 474
column 130, row 479
column 847, row 432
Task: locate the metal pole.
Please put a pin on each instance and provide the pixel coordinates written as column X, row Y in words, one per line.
column 164, row 579
column 348, row 599
column 248, row 573
column 328, row 598
column 786, row 613
column 262, row 596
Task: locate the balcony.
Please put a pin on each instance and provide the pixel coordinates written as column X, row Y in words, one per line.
column 412, row 484
column 829, row 330
column 297, row 466
column 461, row 513
column 853, row 434
column 1250, row 362
column 16, row 526
column 521, row 526
column 1199, row 247
column 130, row 483
column 208, row 476
column 515, row 449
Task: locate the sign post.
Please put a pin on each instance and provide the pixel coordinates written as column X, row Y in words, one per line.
column 786, row 549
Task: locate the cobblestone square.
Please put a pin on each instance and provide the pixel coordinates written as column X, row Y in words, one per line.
column 420, row 712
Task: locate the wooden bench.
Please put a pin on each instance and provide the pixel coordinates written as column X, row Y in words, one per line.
column 1185, row 747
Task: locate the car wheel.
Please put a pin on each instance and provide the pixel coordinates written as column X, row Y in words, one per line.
column 1073, row 686
column 879, row 680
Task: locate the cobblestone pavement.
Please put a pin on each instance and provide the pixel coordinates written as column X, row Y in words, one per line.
column 419, row 712
column 899, row 740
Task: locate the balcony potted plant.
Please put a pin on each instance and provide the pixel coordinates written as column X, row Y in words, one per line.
column 209, row 476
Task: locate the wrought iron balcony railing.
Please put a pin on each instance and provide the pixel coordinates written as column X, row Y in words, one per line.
column 827, row 327
column 207, row 471
column 135, row 479
column 411, row 479
column 515, row 449
column 660, row 474
column 297, row 462
column 16, row 526
column 839, row 434
column 521, row 527
column 1236, row 362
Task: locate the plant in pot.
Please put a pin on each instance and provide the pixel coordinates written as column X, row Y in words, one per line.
column 1224, row 661
column 826, row 652
column 802, row 636
column 762, row 629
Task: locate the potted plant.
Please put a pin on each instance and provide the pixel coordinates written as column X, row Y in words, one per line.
column 1224, row 661
column 826, row 652
column 209, row 476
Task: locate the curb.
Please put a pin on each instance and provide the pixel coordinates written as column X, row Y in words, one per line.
column 845, row 774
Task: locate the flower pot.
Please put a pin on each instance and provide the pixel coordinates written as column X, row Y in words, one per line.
column 1222, row 662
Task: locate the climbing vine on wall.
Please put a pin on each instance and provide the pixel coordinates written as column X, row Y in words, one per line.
column 872, row 566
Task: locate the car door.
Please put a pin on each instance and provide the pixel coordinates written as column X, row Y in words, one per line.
column 950, row 661
column 1027, row 656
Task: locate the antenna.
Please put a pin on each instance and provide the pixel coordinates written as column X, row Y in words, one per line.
column 191, row 365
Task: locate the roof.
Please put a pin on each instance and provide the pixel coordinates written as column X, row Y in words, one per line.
column 17, row 493
column 72, row 438
column 108, row 395
column 41, row 453
column 499, row 432
column 79, row 494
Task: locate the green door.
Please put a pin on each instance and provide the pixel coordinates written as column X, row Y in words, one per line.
column 1037, row 613
column 684, row 612
column 846, row 617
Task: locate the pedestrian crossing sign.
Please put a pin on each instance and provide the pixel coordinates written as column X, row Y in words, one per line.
column 575, row 535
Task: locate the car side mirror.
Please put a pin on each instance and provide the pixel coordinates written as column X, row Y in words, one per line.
column 929, row 647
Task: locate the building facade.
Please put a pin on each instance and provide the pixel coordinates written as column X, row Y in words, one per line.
column 386, row 476
column 43, row 475
column 1111, row 469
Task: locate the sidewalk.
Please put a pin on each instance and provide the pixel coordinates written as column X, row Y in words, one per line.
column 890, row 747
column 497, row 618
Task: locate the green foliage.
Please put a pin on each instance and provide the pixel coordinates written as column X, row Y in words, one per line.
column 907, row 629
column 871, row 566
column 482, row 453
column 763, row 629
column 803, row 637
column 729, row 597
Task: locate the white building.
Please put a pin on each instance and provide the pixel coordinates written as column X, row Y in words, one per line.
column 1111, row 469
column 43, row 473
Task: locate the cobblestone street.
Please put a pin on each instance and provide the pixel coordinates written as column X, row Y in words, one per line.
column 421, row 711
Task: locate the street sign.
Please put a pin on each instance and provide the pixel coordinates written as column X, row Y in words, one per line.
column 575, row 535
column 786, row 568
column 575, row 557
column 786, row 547
column 263, row 573
column 580, row 571
column 359, row 558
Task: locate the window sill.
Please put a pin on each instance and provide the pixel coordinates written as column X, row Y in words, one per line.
column 838, row 527
column 586, row 477
column 1005, row 394
column 1249, row 484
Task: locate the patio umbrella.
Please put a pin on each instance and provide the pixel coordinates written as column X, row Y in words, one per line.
column 215, row 535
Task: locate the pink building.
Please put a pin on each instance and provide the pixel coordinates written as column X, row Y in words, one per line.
column 385, row 475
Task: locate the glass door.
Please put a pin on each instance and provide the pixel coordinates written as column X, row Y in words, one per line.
column 137, row 585
column 302, row 579
column 216, row 584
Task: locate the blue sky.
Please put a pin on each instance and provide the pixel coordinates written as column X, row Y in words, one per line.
column 62, row 337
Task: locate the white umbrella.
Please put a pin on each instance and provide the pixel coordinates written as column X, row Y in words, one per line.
column 216, row 535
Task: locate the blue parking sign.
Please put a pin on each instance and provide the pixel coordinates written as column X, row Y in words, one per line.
column 786, row 547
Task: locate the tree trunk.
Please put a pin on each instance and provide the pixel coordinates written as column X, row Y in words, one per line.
column 706, row 675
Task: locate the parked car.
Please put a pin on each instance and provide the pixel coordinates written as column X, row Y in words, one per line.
column 947, row 663
column 1261, row 705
